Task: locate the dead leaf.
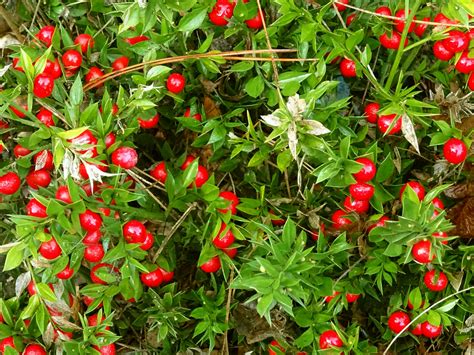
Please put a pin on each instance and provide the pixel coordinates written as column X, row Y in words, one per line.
column 6, row 247
column 271, row 120
column 21, row 283
column 8, row 40
column 296, row 106
column 292, row 140
column 316, row 127
column 210, row 108
column 409, row 133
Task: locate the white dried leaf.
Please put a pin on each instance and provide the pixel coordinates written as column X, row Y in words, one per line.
column 70, row 165
column 441, row 167
column 316, row 127
column 409, row 132
column 398, row 160
column 63, row 322
column 457, row 280
column 469, row 324
column 95, row 174
column 4, row 70
column 48, row 335
column 142, row 4
column 272, row 120
column 40, row 263
column 41, row 160
column 296, row 106
column 21, row 283
column 292, row 140
column 8, row 40
column 6, row 247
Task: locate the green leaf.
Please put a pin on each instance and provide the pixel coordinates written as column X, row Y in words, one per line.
column 192, row 20
column 393, row 250
column 76, row 93
column 254, row 87
column 190, row 173
column 157, row 71
column 354, row 39
column 264, row 305
column 45, row 292
column 14, row 257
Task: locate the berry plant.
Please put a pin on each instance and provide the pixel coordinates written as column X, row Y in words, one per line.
column 237, row 176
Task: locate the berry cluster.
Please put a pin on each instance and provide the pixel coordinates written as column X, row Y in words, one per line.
column 223, row 11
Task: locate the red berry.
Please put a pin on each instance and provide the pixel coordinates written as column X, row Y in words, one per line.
column 350, row 19
column 50, row 250
column 148, row 242
column 222, row 12
column 38, row 178
column 20, row 151
column 435, row 281
column 201, row 177
column 43, row 86
column 352, row 297
column 415, row 186
column 212, row 265
column 196, row 116
column 9, row 183
column 15, row 65
column 94, row 253
column 34, row 349
column 339, row 219
column 17, row 112
column 275, row 345
column 120, row 63
column 328, row 299
column 431, row 331
column 94, row 320
column 441, row 52
column 88, row 139
column 441, row 235
column 35, row 209
column 62, row 194
column 455, row 151
column 371, row 111
column 66, row 274
column 385, row 121
column 348, row 68
column 465, row 64
column 52, row 68
column 84, row 40
column 125, row 157
column 358, row 206
column 189, row 159
column 175, row 83
column 457, row 41
column 421, row 252
column 277, row 221
column 367, row 172
column 256, row 22
column 106, row 349
column 397, row 321
column 134, row 232
column 7, row 342
column 90, row 221
column 361, row 191
column 92, row 237
column 45, row 35
column 153, row 278
column 231, row 252
column 391, row 40
column 167, row 275
column 440, row 18
column 417, row 330
column 94, row 73
column 137, row 39
column 95, row 278
column 72, row 59
column 329, row 339
column 109, row 140
column 233, row 202
column 223, row 241
column 46, row 117
column 379, row 223
column 420, row 28
column 401, row 22
column 438, row 203
column 43, row 160
column 470, row 81
column 159, row 172
column 149, row 123
column 341, row 5
column 384, row 10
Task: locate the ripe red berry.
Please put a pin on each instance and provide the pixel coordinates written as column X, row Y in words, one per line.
column 153, row 278
column 397, row 321
column 92, row 237
column 159, row 172
column 350, row 19
column 109, row 140
column 358, row 206
column 148, row 242
column 275, row 345
column 431, row 331
column 20, row 151
column 152, row 122
column 45, row 35
column 88, row 139
column 435, row 281
column 465, row 64
column 167, row 275
column 371, row 112
column 16, row 66
column 328, row 299
column 417, row 330
column 391, row 40
column 456, row 41
column 137, row 39
column 441, row 52
column 7, row 342
column 175, row 83
column 134, row 232
column 441, row 235
column 201, row 177
column 189, row 159
column 62, row 194
column 233, row 202
column 34, row 349
column 222, row 12
column 339, row 219
column 9, row 183
column 125, row 157
column 66, row 273
column 470, row 82
column 96, row 279
column 17, row 112
column 46, row 117
column 385, row 121
column 384, row 10
column 361, row 191
column 420, row 28
column 231, row 252
column 455, row 151
column 415, row 186
column 352, row 297
column 212, row 265
column 329, row 339
column 50, row 250
column 367, row 172
column 38, row 178
column 421, row 252
column 34, row 208
column 43, row 86
column 90, row 221
column 348, row 68
column 85, row 41
column 196, row 116
column 94, row 253
column 341, row 5
column 43, row 160
column 401, row 22
column 442, row 19
column 93, row 320
column 72, row 59
column 223, row 241
column 106, row 349
column 52, row 68
column 120, row 63
column 379, row 223
column 94, row 73
column 256, row 22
